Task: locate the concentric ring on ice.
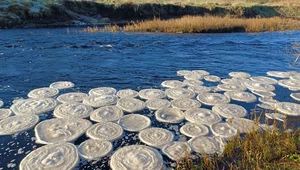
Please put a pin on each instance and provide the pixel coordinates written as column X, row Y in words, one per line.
column 169, row 115
column 212, row 78
column 152, row 94
column 177, row 93
column 264, row 80
column 106, row 114
column 155, row 104
column 156, row 137
column 100, row 101
column 194, row 130
column 243, row 125
column 239, row 75
column 105, row 131
column 60, row 130
column 207, row 145
column 176, row 150
column 241, row 96
column 185, row 103
column 19, row 123
column 55, row 156
column 134, row 122
column 100, row 91
column 172, row 84
column 72, row 110
column 130, row 105
column 138, row 157
column 279, row 74
column 94, row 149
column 202, row 116
column 33, row 106
column 229, row 110
column 45, row 92
column 212, row 99
column 5, row 113
column 288, row 108
column 62, row 85
column 127, row 93
column 223, row 130
column 72, row 97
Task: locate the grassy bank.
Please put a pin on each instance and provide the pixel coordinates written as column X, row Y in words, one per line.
column 257, row 150
column 209, row 24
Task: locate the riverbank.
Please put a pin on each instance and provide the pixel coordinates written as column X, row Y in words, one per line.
column 23, row 13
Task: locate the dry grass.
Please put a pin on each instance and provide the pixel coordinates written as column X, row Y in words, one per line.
column 272, row 149
column 210, row 24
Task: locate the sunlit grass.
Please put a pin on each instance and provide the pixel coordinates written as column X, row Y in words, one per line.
column 209, row 24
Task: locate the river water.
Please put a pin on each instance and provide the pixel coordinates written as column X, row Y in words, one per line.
column 34, row 58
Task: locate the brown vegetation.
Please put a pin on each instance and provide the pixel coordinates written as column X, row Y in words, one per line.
column 209, row 24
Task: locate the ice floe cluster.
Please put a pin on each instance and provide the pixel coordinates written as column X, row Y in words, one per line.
column 205, row 115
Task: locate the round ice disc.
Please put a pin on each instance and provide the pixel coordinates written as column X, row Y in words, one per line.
column 94, row 149
column 241, row 96
column 100, row 91
column 200, row 72
column 45, row 92
column 5, row 113
column 1, row 103
column 72, row 97
column 234, row 81
column 212, row 78
column 106, row 114
column 268, row 106
column 138, row 157
column 264, row 80
column 156, row 137
column 295, row 96
column 194, row 130
column 279, row 74
column 239, row 75
column 193, row 82
column 223, row 130
column 288, row 108
column 155, row 104
column 276, row 116
column 243, row 125
column 105, row 131
column 60, row 130
column 134, row 122
column 263, row 93
column 177, row 93
column 289, row 83
column 229, row 110
column 207, row 145
column 184, row 104
column 183, row 72
column 54, row 156
column 33, row 106
column 267, row 100
column 100, row 101
column 231, row 87
column 252, row 85
column 169, row 115
column 130, row 105
column 16, row 124
column 176, row 150
column 127, row 93
column 172, row 84
column 202, row 116
column 212, row 99
column 199, row 89
column 72, row 110
column 62, row 85
column 152, row 94
column 193, row 76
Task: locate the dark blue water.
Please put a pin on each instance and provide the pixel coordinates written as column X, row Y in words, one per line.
column 33, row 58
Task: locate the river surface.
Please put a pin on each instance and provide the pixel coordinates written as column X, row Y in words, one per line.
column 34, row 58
